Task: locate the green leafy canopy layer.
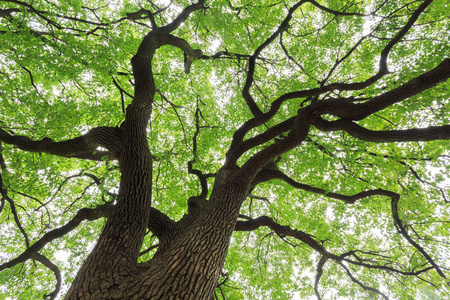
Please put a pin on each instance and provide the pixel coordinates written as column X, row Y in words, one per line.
column 325, row 123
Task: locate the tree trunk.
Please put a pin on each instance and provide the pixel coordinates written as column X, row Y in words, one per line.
column 187, row 264
column 192, row 251
column 189, row 267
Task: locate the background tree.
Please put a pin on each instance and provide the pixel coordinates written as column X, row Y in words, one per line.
column 259, row 150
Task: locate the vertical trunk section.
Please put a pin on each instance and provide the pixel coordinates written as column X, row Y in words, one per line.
column 115, row 255
column 186, row 267
column 189, row 267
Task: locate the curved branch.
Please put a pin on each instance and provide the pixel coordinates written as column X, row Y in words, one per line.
column 80, row 147
column 401, row 34
column 143, row 14
column 338, row 106
column 401, row 229
column 95, row 179
column 408, row 135
column 138, row 112
column 256, row 111
column 97, row 182
column 319, row 274
column 83, row 214
column 183, row 16
column 54, row 268
column 41, row 14
column 190, row 54
column 266, row 174
column 253, row 224
column 16, row 219
column 367, row 288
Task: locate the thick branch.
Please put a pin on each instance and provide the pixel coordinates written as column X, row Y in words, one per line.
column 190, row 54
column 295, row 137
column 183, row 16
column 238, row 149
column 346, row 109
column 139, row 110
column 261, row 118
column 7, row 12
column 80, row 147
column 417, row 134
column 159, row 223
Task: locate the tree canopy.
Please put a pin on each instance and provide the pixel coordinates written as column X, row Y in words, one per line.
column 332, row 114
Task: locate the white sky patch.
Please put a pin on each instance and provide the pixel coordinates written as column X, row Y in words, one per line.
column 215, row 45
column 62, row 255
column 83, row 129
column 87, row 76
column 164, row 2
column 329, row 213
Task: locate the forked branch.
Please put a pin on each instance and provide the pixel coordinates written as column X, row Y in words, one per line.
column 83, row 214
column 158, row 224
column 266, row 174
column 261, row 118
column 348, row 110
column 253, row 224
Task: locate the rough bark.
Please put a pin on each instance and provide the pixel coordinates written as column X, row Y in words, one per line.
column 187, row 264
column 192, row 251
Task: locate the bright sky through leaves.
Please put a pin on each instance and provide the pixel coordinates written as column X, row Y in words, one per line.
column 335, row 114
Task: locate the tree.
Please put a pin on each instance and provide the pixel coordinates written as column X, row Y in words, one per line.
column 249, row 150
